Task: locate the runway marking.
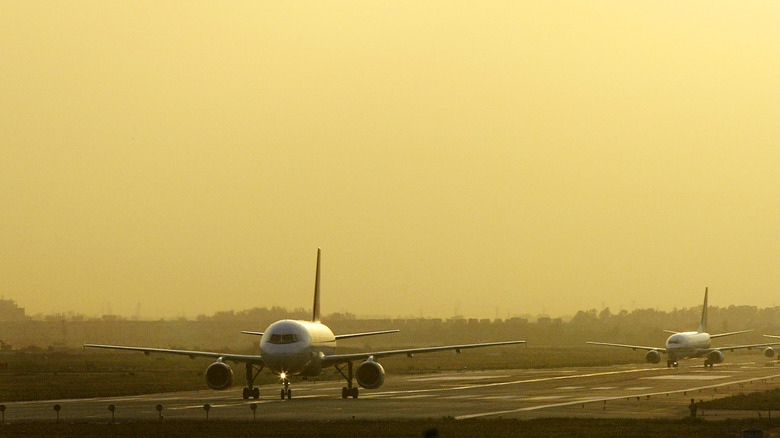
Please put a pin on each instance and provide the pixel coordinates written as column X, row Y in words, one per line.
column 445, row 378
column 571, row 403
column 685, row 377
column 404, row 397
column 601, row 388
column 639, row 388
column 570, row 387
column 545, row 397
column 519, row 382
column 335, row 388
column 461, row 396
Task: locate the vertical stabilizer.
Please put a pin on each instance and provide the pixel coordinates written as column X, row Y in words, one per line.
column 316, row 313
column 703, row 325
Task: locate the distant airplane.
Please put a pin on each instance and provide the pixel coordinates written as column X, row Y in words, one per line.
column 301, row 348
column 683, row 345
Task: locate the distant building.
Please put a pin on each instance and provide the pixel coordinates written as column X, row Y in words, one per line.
column 9, row 311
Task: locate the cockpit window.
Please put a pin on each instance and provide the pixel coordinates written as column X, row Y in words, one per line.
column 674, row 341
column 284, row 338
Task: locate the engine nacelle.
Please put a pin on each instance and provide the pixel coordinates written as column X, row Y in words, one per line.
column 219, row 376
column 370, row 375
column 769, row 352
column 653, row 356
column 716, row 357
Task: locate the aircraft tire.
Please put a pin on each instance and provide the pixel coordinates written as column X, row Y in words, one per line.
column 256, row 393
column 283, row 394
column 344, row 392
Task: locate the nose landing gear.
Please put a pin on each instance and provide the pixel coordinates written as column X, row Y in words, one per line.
column 286, row 391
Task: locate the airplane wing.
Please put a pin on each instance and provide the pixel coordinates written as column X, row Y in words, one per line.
column 355, row 335
column 745, row 347
column 720, row 335
column 334, row 359
column 633, row 347
column 257, row 360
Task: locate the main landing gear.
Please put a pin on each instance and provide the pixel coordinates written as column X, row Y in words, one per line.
column 671, row 363
column 707, row 363
column 251, row 390
column 349, row 390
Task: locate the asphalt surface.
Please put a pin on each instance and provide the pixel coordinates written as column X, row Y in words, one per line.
column 635, row 391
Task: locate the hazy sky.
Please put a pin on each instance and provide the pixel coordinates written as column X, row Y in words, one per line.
column 490, row 158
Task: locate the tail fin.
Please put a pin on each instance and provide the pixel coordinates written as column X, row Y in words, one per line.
column 703, row 325
column 316, row 313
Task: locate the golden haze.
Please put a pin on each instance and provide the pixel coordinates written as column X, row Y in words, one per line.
column 489, row 158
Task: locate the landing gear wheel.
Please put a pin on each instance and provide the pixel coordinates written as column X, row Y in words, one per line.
column 353, row 392
column 344, row 392
column 675, row 364
column 668, row 364
column 283, row 394
column 289, row 394
column 707, row 363
column 256, row 393
column 245, row 394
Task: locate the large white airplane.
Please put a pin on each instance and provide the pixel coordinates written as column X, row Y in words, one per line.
column 681, row 345
column 301, row 348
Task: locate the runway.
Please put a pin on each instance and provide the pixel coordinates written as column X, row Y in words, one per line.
column 636, row 391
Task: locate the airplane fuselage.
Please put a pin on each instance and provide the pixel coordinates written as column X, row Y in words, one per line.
column 687, row 344
column 294, row 347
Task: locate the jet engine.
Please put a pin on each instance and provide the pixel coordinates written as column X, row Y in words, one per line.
column 769, row 352
column 370, row 375
column 219, row 376
column 716, row 357
column 653, row 356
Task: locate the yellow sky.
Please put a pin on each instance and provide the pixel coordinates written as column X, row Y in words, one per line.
column 494, row 158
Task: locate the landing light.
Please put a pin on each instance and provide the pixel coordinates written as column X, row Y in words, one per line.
column 283, row 376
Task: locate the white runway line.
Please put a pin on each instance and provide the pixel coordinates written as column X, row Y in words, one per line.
column 571, row 403
column 686, row 377
column 520, row 382
column 448, row 378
